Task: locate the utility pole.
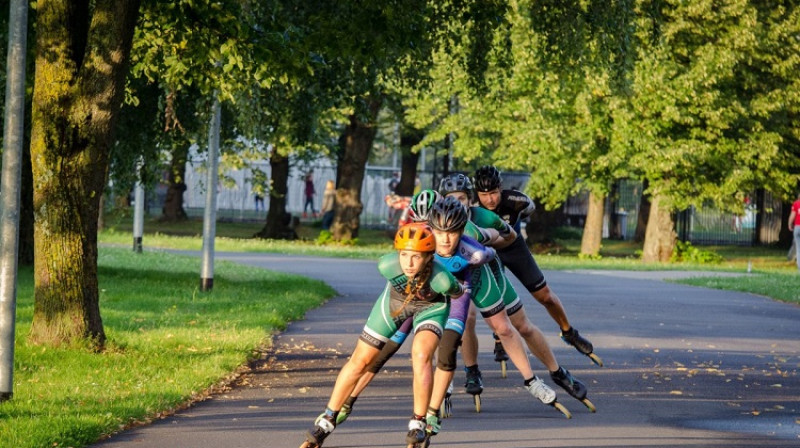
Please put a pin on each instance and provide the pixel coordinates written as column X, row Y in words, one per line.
column 138, row 210
column 210, row 215
column 10, row 186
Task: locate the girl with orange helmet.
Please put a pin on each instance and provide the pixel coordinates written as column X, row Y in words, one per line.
column 418, row 288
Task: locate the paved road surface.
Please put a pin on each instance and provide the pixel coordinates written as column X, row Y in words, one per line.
column 685, row 367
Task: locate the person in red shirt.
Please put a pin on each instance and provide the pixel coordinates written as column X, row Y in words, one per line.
column 794, row 224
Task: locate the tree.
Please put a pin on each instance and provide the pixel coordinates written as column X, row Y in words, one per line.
column 82, row 55
column 548, row 77
column 702, row 126
column 184, row 53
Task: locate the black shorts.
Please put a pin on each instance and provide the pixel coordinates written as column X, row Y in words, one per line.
column 519, row 260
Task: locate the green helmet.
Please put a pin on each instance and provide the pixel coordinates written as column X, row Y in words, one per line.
column 422, row 203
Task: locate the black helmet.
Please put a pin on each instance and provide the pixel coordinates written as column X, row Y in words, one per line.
column 487, row 178
column 422, row 203
column 448, row 214
column 455, row 182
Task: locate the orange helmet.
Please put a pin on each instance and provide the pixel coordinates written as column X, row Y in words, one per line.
column 416, row 236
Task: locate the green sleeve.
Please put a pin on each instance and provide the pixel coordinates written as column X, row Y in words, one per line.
column 472, row 231
column 389, row 266
column 443, row 281
column 489, row 220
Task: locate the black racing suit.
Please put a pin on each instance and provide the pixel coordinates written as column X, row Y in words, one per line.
column 515, row 206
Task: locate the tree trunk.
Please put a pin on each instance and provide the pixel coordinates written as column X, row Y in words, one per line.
column 279, row 224
column 593, row 228
column 761, row 232
column 358, row 139
column 408, row 162
column 26, row 245
column 642, row 216
column 81, row 63
column 173, row 211
column 785, row 236
column 614, row 219
column 659, row 241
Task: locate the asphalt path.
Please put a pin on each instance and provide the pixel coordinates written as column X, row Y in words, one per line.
column 684, row 367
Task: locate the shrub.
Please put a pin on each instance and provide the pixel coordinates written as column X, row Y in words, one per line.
column 684, row 251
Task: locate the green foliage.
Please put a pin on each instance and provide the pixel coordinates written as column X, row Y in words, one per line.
column 582, row 256
column 325, row 238
column 686, row 252
column 696, row 124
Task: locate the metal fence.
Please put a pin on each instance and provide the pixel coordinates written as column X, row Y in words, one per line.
column 707, row 225
column 236, row 202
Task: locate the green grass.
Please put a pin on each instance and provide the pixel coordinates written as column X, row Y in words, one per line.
column 167, row 342
column 783, row 286
column 238, row 237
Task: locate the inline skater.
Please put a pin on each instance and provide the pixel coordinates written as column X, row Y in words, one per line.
column 514, row 206
column 467, row 265
column 418, row 288
column 448, row 218
column 419, row 208
column 483, row 222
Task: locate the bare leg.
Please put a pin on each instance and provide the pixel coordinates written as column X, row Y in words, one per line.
column 351, row 372
column 535, row 339
column 441, row 381
column 362, row 384
column 552, row 304
column 512, row 342
column 425, row 343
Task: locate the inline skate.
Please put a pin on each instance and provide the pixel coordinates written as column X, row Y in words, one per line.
column 474, row 385
column 573, row 338
column 574, row 387
column 500, row 355
column 546, row 395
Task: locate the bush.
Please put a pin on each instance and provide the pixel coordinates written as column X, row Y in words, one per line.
column 684, row 251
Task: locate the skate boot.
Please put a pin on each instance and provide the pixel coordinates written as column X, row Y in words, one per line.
column 344, row 412
column 417, row 435
column 433, row 423
column 569, row 383
column 323, row 427
column 573, row 338
column 546, row 395
column 447, row 410
column 474, row 385
column 500, row 355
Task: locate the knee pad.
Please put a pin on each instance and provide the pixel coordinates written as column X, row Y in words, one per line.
column 448, row 346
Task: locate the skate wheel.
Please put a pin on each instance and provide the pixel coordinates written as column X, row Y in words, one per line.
column 308, row 444
column 477, row 399
column 589, row 405
column 562, row 409
column 447, row 410
column 596, row 359
column 503, row 369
